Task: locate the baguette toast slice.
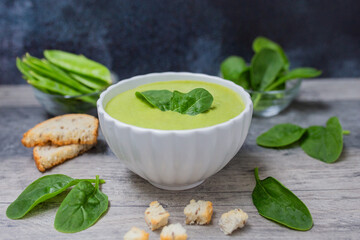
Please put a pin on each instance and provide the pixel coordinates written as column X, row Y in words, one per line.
column 49, row 156
column 63, row 130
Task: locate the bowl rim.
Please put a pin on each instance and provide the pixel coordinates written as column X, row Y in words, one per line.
column 297, row 84
column 247, row 109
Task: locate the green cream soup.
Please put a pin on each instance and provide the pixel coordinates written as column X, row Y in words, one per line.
column 128, row 108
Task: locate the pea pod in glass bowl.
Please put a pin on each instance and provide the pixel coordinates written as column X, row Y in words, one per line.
column 65, row 82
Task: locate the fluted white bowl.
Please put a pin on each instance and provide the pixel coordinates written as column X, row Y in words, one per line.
column 174, row 159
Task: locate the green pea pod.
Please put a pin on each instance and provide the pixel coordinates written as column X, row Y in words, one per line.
column 44, row 69
column 78, row 64
column 23, row 68
column 39, row 191
column 81, row 208
column 277, row 203
column 88, row 81
column 54, row 86
column 39, row 86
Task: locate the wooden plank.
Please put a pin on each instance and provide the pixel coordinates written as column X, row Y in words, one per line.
column 17, row 95
column 331, row 191
column 330, row 90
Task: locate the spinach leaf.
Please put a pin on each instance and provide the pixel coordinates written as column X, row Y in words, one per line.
column 157, row 98
column 324, row 143
column 232, row 68
column 39, row 191
column 78, row 64
column 277, row 203
column 280, row 135
column 294, row 74
column 265, row 66
column 81, row 208
column 194, row 102
column 244, row 79
column 261, row 42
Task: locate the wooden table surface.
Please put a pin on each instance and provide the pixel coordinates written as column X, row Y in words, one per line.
column 331, row 191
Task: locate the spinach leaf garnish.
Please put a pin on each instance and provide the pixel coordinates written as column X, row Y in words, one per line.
column 194, row 102
column 81, row 208
column 280, row 135
column 157, row 98
column 322, row 143
column 39, row 191
column 277, row 203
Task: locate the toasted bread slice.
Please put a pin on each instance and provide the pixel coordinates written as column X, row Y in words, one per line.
column 63, row 130
column 49, row 156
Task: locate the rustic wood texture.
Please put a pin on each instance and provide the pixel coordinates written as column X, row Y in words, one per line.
column 331, row 191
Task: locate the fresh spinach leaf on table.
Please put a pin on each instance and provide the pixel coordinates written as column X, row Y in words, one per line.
column 280, row 135
column 277, row 203
column 324, row 143
column 194, row 102
column 39, row 191
column 81, row 208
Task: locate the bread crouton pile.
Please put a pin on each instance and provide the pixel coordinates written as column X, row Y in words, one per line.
column 61, row 138
column 196, row 212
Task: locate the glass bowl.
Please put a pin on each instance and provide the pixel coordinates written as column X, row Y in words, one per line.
column 59, row 104
column 271, row 103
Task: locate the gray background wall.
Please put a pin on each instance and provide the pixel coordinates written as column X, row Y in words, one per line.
column 140, row 36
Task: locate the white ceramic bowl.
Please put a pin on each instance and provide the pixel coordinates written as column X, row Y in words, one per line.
column 174, row 159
